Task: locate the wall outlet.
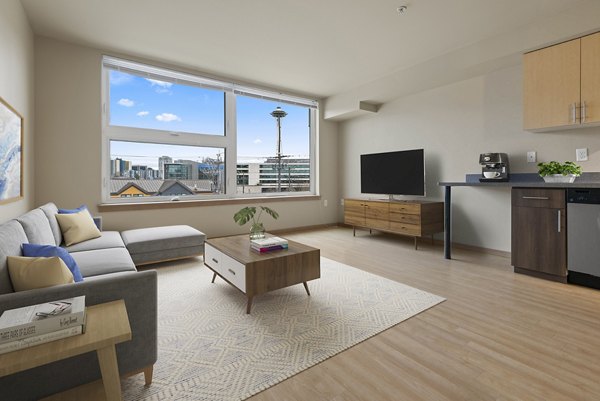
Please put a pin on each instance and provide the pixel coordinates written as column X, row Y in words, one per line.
column 581, row 154
column 531, row 157
column 325, row 203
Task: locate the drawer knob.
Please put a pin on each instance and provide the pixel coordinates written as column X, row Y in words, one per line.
column 231, row 271
column 215, row 260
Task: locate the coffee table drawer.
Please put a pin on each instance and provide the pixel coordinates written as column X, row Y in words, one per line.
column 227, row 267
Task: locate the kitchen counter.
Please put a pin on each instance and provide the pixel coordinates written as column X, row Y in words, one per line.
column 517, row 180
column 528, row 180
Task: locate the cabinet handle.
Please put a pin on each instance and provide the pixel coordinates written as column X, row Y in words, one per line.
column 574, row 113
column 583, row 112
column 231, row 271
column 558, row 220
column 536, row 197
column 215, row 260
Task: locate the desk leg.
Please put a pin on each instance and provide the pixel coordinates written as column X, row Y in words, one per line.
column 107, row 358
column 447, row 223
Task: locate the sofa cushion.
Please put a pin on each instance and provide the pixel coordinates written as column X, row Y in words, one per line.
column 12, row 236
column 77, row 227
column 103, row 261
column 37, row 227
column 35, row 250
column 108, row 239
column 162, row 238
column 50, row 210
column 31, row 273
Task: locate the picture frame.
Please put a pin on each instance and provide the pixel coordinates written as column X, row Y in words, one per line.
column 11, row 153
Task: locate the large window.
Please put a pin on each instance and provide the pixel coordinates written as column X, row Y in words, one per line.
column 170, row 135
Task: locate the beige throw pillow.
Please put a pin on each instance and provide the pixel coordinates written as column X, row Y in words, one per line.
column 31, row 273
column 77, row 227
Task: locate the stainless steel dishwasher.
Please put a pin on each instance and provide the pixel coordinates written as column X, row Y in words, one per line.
column 583, row 236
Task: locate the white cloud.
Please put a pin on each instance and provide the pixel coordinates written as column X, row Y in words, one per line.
column 167, row 117
column 143, row 113
column 257, row 141
column 161, row 86
column 126, row 102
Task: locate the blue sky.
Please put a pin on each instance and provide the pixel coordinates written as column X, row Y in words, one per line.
column 140, row 102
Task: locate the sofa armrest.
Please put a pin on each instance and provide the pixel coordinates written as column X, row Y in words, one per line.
column 137, row 289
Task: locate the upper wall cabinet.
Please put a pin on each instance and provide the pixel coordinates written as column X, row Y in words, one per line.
column 561, row 85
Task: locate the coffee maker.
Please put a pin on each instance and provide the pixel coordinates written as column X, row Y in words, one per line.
column 494, row 167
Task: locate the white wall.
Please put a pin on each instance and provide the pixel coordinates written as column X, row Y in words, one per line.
column 454, row 124
column 68, row 113
column 16, row 88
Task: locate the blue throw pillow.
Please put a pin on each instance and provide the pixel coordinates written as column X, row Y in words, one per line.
column 72, row 211
column 34, row 250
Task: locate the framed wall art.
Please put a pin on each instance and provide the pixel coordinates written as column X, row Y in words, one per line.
column 11, row 153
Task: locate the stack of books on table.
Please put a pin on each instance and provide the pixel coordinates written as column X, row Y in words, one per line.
column 38, row 324
column 268, row 244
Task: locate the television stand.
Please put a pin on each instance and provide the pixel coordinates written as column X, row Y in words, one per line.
column 414, row 218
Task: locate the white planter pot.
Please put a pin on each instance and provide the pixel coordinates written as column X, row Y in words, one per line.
column 559, row 178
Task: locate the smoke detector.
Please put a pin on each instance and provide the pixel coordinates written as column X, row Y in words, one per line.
column 401, row 10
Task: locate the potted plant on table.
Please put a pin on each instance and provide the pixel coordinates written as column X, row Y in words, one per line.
column 248, row 213
column 559, row 172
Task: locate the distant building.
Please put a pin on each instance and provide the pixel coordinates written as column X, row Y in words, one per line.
column 261, row 176
column 161, row 163
column 176, row 171
column 192, row 168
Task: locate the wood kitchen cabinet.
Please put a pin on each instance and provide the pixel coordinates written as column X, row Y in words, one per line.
column 413, row 218
column 561, row 85
column 539, row 241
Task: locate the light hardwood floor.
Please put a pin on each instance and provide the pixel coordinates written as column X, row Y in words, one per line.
column 499, row 336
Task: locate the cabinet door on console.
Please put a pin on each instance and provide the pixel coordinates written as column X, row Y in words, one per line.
column 354, row 212
column 378, row 215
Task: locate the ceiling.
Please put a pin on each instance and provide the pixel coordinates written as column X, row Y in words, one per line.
column 316, row 47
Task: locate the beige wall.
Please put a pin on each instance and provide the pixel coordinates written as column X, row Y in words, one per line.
column 68, row 114
column 454, row 124
column 16, row 88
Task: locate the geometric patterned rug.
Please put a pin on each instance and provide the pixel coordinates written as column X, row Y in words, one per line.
column 210, row 349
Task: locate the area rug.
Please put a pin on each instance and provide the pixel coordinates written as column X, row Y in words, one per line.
column 209, row 349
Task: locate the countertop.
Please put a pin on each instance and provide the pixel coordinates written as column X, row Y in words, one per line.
column 526, row 180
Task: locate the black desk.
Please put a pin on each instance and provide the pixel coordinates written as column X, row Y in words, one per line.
column 518, row 180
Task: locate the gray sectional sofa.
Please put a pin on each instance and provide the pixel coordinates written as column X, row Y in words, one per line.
column 109, row 274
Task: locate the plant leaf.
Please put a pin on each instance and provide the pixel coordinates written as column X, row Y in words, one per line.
column 244, row 215
column 270, row 212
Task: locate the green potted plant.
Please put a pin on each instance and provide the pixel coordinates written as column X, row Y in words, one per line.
column 248, row 213
column 559, row 172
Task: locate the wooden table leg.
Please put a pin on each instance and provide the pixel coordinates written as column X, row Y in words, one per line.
column 107, row 359
column 214, row 277
column 306, row 288
column 249, row 305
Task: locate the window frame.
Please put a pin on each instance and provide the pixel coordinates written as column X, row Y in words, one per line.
column 228, row 141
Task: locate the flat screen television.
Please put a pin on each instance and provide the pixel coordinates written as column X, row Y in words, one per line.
column 393, row 173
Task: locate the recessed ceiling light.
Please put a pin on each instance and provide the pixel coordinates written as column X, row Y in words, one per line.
column 401, row 10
